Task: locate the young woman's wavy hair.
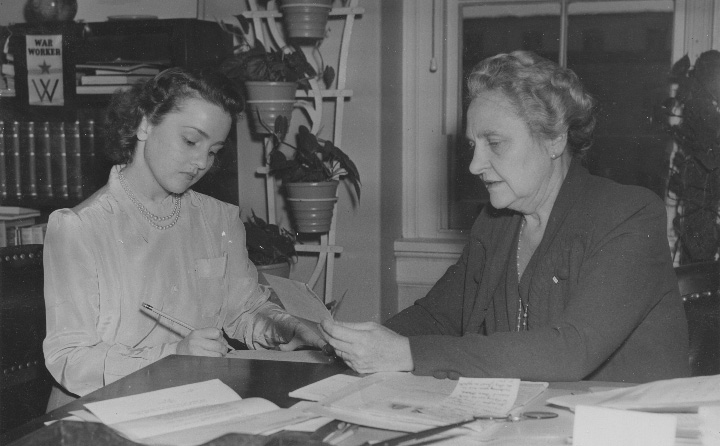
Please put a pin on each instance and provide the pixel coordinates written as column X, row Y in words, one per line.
column 550, row 99
column 156, row 98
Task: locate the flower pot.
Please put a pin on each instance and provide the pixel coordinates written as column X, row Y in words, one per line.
column 311, row 205
column 40, row 11
column 268, row 100
column 281, row 269
column 305, row 19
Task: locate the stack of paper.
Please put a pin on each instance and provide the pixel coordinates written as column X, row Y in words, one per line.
column 106, row 77
column 410, row 403
column 675, row 411
column 191, row 414
column 16, row 225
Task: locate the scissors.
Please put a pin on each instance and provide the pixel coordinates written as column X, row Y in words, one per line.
column 532, row 415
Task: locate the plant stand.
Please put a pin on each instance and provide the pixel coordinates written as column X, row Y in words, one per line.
column 312, row 103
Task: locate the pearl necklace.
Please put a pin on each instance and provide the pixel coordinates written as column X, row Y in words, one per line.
column 522, row 312
column 149, row 216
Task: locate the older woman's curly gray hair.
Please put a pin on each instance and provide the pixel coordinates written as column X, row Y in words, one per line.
column 550, row 99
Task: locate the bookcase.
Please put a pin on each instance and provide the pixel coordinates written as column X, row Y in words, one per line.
column 51, row 154
column 63, row 139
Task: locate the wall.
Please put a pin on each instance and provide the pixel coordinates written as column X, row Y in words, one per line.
column 391, row 140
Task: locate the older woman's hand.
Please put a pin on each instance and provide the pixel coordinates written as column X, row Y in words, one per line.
column 368, row 347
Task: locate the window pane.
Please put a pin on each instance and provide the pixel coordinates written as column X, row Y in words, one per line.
column 508, row 29
column 621, row 50
column 624, row 60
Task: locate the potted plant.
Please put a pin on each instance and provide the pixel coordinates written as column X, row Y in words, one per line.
column 311, row 177
column 692, row 118
column 268, row 78
column 270, row 247
column 305, row 19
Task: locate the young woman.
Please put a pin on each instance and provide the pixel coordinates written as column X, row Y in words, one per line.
column 145, row 237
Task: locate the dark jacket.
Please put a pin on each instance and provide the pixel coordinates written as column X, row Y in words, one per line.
column 603, row 297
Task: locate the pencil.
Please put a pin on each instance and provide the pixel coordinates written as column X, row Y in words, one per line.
column 167, row 316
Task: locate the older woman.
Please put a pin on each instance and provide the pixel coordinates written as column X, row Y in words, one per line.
column 145, row 237
column 566, row 277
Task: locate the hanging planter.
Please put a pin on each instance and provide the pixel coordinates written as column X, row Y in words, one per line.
column 305, row 19
column 268, row 100
column 310, row 179
column 312, row 204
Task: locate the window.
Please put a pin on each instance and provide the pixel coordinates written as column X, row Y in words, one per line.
column 621, row 50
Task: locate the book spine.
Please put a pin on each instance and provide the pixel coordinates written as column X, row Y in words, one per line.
column 15, row 160
column 87, row 147
column 28, row 159
column 12, row 236
column 45, row 184
column 74, row 161
column 3, row 173
column 26, row 235
column 59, row 157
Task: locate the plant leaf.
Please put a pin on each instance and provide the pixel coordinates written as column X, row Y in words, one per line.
column 244, row 23
column 281, row 127
column 328, row 76
column 681, row 67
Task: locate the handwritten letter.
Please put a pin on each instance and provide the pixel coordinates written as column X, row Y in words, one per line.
column 480, row 397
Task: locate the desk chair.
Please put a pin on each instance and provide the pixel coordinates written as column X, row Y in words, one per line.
column 699, row 288
column 25, row 382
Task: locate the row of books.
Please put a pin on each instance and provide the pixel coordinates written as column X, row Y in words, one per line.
column 7, row 77
column 18, row 227
column 106, row 77
column 46, row 160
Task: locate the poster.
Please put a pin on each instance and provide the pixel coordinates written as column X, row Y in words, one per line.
column 45, row 70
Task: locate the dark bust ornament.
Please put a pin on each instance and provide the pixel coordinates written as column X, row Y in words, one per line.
column 37, row 11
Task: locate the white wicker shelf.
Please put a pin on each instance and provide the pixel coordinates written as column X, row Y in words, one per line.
column 312, row 102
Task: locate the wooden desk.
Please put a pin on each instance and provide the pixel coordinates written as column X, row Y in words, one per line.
column 273, row 380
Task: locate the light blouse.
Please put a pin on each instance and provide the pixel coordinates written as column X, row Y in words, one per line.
column 103, row 259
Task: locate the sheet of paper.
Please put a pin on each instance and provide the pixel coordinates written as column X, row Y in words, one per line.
column 393, row 401
column 85, row 415
column 325, row 387
column 709, row 425
column 527, row 392
column 309, row 356
column 192, row 414
column 478, row 397
column 601, row 426
column 672, row 395
column 298, row 299
column 163, row 401
column 256, row 423
column 196, row 417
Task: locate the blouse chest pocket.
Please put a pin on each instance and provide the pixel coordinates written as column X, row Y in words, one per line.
column 210, row 274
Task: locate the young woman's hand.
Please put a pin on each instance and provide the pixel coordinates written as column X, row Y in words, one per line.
column 297, row 334
column 203, row 342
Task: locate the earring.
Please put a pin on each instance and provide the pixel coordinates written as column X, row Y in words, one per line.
column 553, row 156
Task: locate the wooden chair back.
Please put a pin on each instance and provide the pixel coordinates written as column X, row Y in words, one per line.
column 25, row 382
column 699, row 288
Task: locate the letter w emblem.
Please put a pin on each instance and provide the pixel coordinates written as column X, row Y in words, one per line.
column 45, row 86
